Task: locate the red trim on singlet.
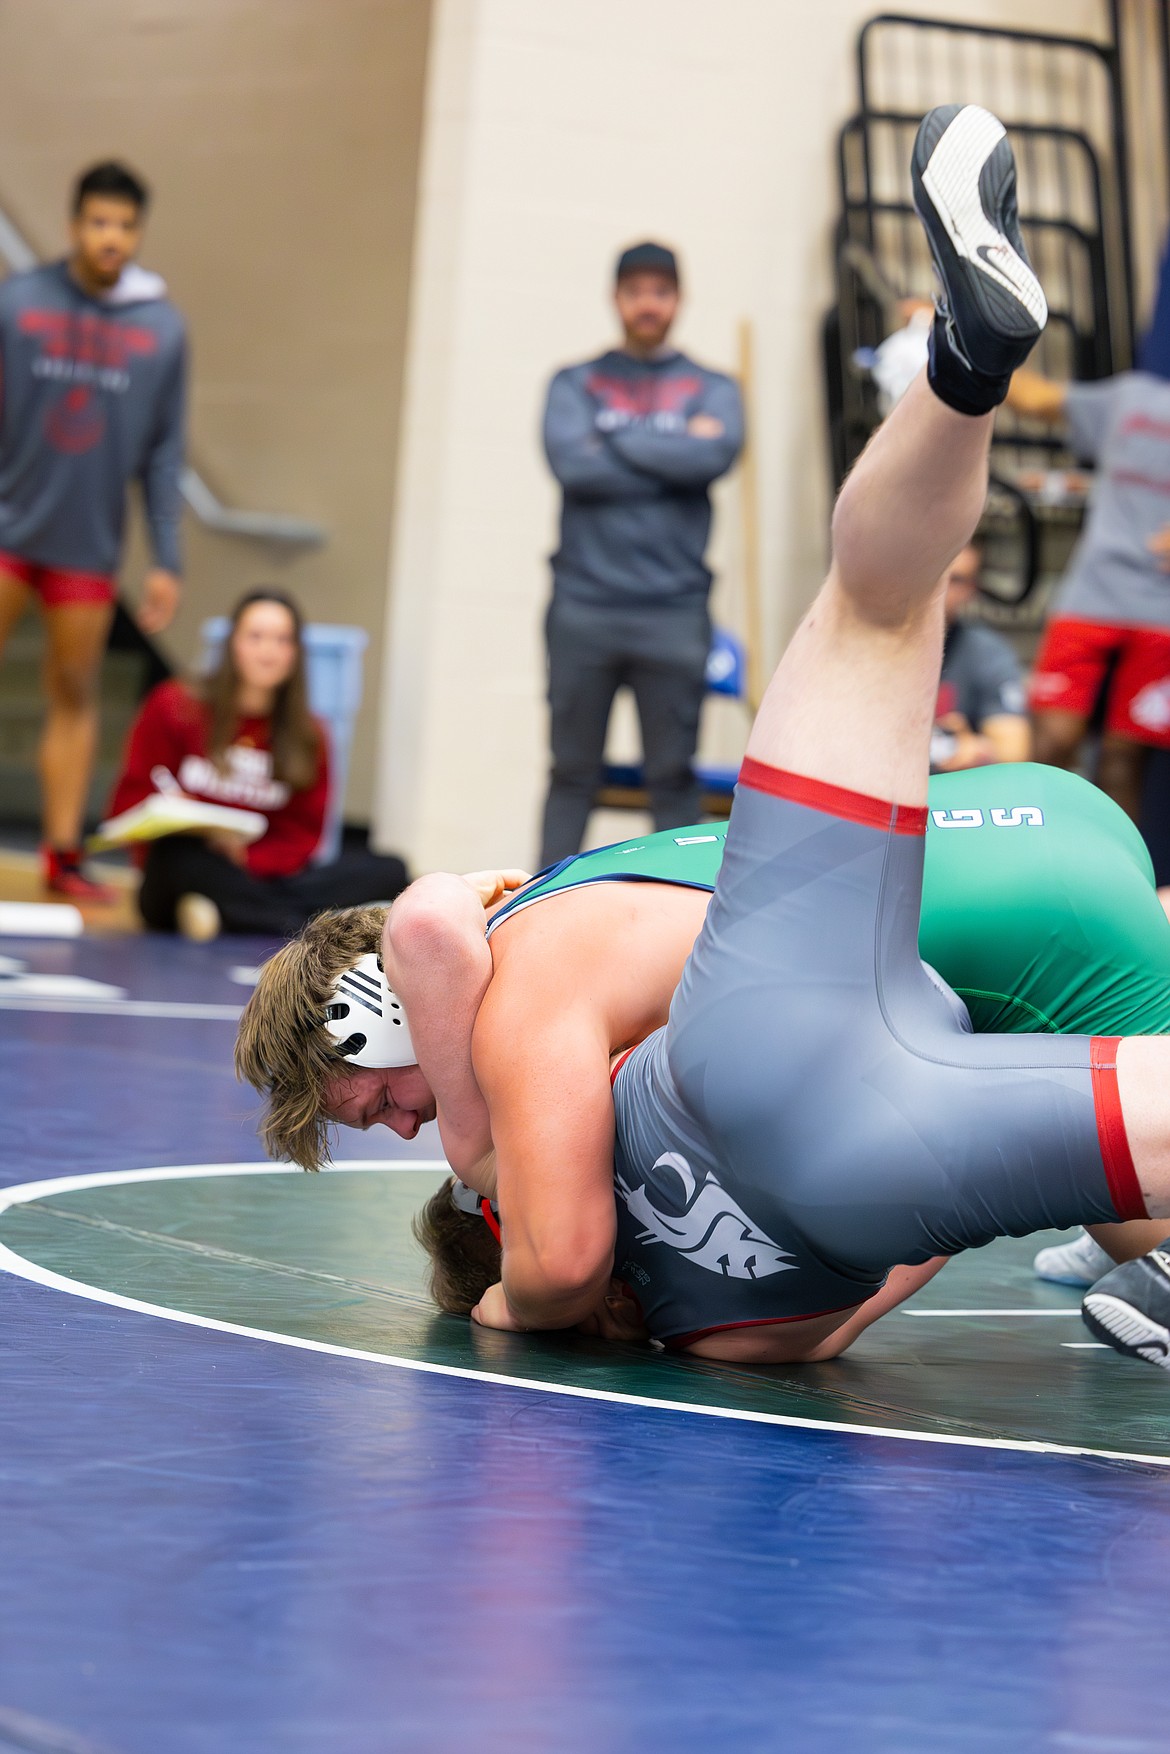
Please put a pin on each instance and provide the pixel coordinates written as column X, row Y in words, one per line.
column 677, row 1340
column 1124, row 1187
column 833, row 800
column 618, row 1064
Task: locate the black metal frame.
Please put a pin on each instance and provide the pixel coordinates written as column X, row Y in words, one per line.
column 863, row 319
column 1089, row 227
column 1105, row 54
column 1059, row 135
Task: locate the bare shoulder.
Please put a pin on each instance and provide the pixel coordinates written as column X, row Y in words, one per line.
column 594, row 931
column 609, row 953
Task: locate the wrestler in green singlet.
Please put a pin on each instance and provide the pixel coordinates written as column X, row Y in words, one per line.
column 1038, row 903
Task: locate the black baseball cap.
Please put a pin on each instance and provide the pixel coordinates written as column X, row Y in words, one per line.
column 647, row 258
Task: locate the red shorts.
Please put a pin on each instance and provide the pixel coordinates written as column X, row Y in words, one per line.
column 1072, row 663
column 55, row 585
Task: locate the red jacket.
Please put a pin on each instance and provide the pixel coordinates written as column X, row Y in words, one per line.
column 171, row 731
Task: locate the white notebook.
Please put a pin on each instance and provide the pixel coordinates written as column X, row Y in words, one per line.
column 173, row 813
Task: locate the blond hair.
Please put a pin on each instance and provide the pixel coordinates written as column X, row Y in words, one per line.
column 283, row 1048
column 464, row 1255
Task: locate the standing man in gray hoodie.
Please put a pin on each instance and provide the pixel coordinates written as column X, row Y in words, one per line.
column 92, row 382
column 635, row 439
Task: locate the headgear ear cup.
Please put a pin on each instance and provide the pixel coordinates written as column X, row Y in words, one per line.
column 366, row 1019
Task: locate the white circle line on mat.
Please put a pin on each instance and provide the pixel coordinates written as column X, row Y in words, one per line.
column 24, row 1193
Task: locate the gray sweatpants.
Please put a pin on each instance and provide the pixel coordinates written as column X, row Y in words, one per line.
column 660, row 654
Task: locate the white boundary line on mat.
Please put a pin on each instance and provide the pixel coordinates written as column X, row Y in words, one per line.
column 25, row 1192
column 81, row 1007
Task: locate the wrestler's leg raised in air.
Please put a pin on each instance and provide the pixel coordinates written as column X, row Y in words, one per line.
column 853, row 699
column 852, row 702
column 851, row 705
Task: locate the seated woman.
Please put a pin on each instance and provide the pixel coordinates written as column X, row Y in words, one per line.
column 244, row 736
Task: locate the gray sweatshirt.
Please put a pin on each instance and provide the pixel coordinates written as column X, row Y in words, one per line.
column 91, row 397
column 637, row 513
column 1122, row 425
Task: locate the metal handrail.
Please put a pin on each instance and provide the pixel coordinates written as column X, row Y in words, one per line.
column 204, row 503
column 258, row 526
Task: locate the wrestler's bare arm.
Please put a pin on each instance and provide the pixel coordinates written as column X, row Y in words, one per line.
column 822, row 1337
column 438, row 961
column 541, row 1058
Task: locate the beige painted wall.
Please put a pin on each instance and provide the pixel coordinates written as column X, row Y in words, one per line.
column 554, row 134
column 281, row 139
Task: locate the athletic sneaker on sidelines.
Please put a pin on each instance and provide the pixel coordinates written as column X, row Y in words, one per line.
column 1130, row 1308
column 92, row 360
column 1079, row 1262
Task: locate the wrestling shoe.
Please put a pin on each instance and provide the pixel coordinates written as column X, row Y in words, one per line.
column 61, row 873
column 1080, row 1262
column 1130, row 1308
column 992, row 309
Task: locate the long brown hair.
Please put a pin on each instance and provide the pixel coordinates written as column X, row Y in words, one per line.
column 296, row 737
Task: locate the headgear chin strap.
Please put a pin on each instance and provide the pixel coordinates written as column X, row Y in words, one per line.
column 465, row 1199
column 366, row 1019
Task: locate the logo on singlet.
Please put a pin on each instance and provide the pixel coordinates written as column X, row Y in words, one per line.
column 1019, row 816
column 711, row 1229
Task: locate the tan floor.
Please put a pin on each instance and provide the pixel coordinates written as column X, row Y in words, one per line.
column 20, row 880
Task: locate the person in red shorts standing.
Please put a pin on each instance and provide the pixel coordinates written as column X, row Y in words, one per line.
column 92, row 384
column 1112, row 615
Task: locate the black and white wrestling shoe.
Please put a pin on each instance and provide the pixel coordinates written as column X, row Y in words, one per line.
column 992, row 310
column 1130, row 1308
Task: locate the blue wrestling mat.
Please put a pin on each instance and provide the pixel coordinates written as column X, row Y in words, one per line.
column 261, row 1497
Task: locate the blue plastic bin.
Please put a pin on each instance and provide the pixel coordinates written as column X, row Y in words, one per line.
column 334, row 659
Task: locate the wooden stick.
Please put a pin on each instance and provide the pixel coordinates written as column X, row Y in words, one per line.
column 749, row 502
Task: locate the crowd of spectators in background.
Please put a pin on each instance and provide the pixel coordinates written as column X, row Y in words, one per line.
column 93, row 358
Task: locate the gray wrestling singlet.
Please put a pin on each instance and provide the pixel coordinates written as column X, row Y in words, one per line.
column 816, row 1109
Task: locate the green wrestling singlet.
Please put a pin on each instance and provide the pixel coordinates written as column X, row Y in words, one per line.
column 1038, row 902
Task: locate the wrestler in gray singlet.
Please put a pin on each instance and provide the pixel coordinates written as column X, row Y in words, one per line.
column 816, row 1109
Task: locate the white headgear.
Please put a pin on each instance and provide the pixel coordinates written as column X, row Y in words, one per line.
column 366, row 1019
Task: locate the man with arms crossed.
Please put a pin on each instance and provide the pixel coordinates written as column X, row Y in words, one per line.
column 636, row 438
column 813, row 1085
column 92, row 363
